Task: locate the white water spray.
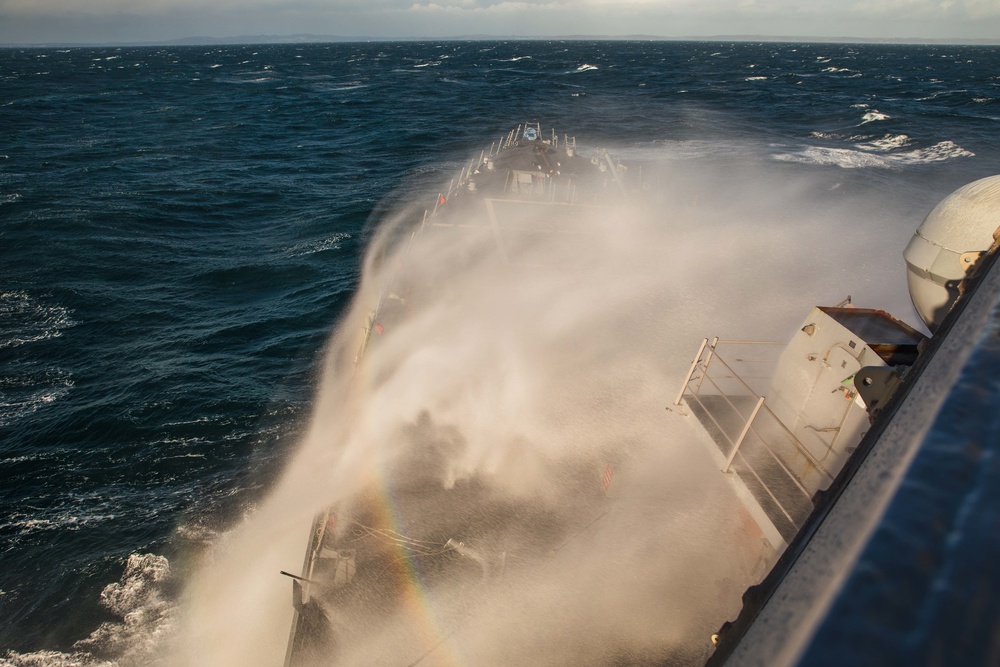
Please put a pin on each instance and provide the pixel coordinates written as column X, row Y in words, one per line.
column 534, row 376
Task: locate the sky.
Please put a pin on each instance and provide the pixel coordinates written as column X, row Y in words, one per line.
column 117, row 21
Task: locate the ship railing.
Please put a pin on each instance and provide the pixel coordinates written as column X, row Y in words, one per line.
column 565, row 193
column 539, row 187
column 726, row 395
column 562, row 193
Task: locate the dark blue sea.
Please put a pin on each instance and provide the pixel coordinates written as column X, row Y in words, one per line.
column 180, row 228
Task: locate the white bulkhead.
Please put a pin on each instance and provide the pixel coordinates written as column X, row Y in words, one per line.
column 813, row 392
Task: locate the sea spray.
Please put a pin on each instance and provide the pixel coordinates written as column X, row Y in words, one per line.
column 134, row 218
column 519, row 370
column 143, row 616
column 528, row 382
column 522, row 367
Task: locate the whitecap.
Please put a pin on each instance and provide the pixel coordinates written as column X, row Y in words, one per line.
column 342, row 87
column 52, row 659
column 12, row 409
column 311, row 247
column 72, row 521
column 196, row 533
column 824, row 135
column 23, row 320
column 886, row 143
column 146, row 615
column 183, row 422
column 756, row 78
column 586, row 68
column 19, row 459
column 846, row 158
column 838, row 157
column 25, row 387
column 939, row 152
column 874, row 115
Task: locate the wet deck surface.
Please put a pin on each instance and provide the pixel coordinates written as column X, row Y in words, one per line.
column 723, row 419
column 642, row 573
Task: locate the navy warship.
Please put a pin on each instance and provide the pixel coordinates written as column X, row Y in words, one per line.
column 791, row 425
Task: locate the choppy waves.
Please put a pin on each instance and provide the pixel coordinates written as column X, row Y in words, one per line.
column 24, row 319
column 883, row 153
column 181, row 226
column 28, row 382
column 143, row 611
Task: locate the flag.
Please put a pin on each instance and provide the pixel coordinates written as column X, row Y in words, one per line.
column 441, row 200
column 379, row 329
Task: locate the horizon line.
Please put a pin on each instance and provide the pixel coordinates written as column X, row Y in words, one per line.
column 308, row 38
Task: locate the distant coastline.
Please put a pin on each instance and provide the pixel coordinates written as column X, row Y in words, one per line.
column 317, row 39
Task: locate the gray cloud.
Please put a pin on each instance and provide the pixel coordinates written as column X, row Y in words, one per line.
column 146, row 20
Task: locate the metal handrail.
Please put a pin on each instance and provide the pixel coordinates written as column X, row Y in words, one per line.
column 699, row 372
column 781, row 463
column 720, row 341
column 768, row 490
column 799, row 446
column 748, row 427
column 735, row 451
column 743, row 434
column 736, row 376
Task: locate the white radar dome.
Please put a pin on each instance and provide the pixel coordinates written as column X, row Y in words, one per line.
column 947, row 246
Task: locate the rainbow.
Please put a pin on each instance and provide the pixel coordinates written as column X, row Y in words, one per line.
column 418, row 612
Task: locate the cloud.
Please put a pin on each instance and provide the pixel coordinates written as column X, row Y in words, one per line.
column 481, row 6
column 148, row 20
column 970, row 7
column 870, row 18
column 96, row 7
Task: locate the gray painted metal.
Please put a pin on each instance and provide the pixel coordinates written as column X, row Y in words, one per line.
column 784, row 626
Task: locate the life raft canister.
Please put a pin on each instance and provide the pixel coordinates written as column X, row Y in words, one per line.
column 531, row 134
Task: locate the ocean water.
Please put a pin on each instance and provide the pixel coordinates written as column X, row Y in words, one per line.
column 180, row 228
